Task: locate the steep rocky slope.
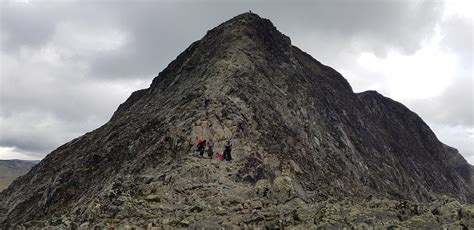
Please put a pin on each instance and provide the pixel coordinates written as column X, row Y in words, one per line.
column 11, row 169
column 303, row 140
column 462, row 167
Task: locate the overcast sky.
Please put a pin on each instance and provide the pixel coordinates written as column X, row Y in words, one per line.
column 65, row 67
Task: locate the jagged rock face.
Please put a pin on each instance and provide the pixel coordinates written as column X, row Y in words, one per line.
column 292, row 121
column 462, row 167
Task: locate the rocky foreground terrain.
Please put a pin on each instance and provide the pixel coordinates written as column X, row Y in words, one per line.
column 308, row 151
column 201, row 193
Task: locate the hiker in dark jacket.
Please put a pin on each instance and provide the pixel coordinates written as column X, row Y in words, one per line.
column 227, row 151
column 201, row 146
column 210, row 148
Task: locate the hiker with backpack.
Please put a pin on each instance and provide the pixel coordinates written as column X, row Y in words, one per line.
column 227, row 151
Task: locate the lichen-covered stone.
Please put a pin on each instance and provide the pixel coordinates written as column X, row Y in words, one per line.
column 282, row 189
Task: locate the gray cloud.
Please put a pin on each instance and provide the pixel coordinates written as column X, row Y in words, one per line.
column 453, row 107
column 375, row 25
column 155, row 27
column 459, row 38
column 25, row 26
column 65, row 67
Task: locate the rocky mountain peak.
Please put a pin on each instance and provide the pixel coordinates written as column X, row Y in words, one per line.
column 250, row 27
column 244, row 34
column 301, row 137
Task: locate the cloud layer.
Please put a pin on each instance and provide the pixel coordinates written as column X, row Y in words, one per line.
column 65, row 67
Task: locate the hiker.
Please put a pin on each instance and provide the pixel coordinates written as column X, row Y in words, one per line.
column 210, row 148
column 201, row 145
column 227, row 151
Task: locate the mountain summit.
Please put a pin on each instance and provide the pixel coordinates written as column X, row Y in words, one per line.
column 303, row 140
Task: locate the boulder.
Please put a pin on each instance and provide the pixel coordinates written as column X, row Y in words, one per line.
column 262, row 188
column 153, row 198
column 282, row 189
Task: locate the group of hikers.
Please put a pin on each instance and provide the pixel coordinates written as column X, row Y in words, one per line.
column 202, row 145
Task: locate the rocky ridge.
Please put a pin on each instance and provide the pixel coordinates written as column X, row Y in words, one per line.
column 206, row 194
column 308, row 151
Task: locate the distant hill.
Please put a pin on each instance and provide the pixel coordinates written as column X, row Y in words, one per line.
column 11, row 169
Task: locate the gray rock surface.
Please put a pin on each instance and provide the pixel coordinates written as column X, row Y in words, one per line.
column 308, row 151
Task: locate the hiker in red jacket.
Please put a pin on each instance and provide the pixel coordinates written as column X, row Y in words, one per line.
column 201, row 146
